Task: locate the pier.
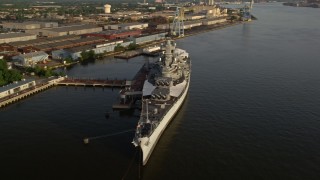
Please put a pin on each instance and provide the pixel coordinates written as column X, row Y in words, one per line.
column 28, row 92
column 94, row 82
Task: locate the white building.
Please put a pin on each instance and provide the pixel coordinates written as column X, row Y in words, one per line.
column 30, row 59
column 16, row 87
column 127, row 26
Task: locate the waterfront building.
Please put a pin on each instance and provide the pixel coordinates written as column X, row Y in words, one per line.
column 214, row 21
column 127, row 26
column 187, row 25
column 194, row 17
column 16, row 87
column 75, row 52
column 13, row 37
column 30, row 59
column 149, row 38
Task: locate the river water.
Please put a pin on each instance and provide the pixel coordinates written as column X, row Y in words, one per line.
column 253, row 112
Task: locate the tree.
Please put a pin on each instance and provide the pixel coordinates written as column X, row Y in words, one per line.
column 8, row 76
column 119, row 48
column 133, row 46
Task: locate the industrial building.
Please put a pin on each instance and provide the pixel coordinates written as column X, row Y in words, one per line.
column 127, row 26
column 66, row 30
column 16, row 87
column 42, row 41
column 30, row 59
column 29, row 25
column 214, row 21
column 49, row 44
column 13, row 37
column 116, row 34
column 69, row 44
column 75, row 53
column 194, row 17
column 187, row 25
column 149, row 38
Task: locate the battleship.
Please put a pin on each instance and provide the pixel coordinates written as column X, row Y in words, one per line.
column 164, row 91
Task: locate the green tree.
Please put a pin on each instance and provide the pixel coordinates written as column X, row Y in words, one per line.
column 119, row 48
column 133, row 46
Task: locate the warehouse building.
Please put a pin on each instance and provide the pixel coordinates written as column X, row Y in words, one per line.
column 29, row 25
column 127, row 26
column 116, row 34
column 149, row 38
column 49, row 44
column 214, row 21
column 75, row 53
column 191, row 24
column 195, row 17
column 30, row 59
column 13, row 37
column 66, row 30
column 42, row 41
column 16, row 87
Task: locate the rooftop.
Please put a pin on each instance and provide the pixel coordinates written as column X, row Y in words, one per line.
column 111, row 32
column 72, row 28
column 80, row 48
column 14, row 85
column 33, row 54
column 14, row 35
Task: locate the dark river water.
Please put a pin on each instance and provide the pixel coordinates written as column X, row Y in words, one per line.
column 252, row 112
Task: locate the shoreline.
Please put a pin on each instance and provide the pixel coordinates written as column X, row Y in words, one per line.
column 188, row 33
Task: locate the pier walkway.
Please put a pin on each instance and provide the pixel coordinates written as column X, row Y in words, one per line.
column 94, row 82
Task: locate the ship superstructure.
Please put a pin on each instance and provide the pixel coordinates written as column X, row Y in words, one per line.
column 164, row 91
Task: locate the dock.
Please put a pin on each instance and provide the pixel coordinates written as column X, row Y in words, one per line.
column 94, row 82
column 63, row 81
column 28, row 92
